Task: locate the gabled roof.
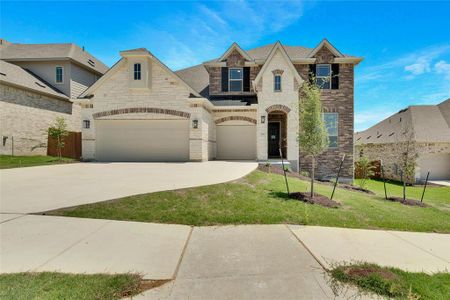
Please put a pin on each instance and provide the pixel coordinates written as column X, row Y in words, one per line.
column 16, row 76
column 38, row 52
column 197, row 77
column 236, row 47
column 427, row 123
column 134, row 52
column 327, row 44
column 280, row 47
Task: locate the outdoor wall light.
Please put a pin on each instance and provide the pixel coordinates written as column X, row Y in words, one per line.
column 195, row 124
column 263, row 119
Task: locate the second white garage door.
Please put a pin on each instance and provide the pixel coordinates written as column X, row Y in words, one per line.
column 438, row 164
column 142, row 140
column 236, row 142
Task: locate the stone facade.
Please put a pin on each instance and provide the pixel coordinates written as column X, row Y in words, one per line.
column 388, row 154
column 340, row 101
column 165, row 98
column 25, row 117
column 269, row 99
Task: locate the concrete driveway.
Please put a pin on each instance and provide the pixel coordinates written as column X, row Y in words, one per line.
column 38, row 189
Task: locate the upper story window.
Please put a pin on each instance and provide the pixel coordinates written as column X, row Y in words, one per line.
column 86, row 124
column 323, row 76
column 59, row 77
column 236, row 76
column 331, row 123
column 277, row 83
column 137, row 71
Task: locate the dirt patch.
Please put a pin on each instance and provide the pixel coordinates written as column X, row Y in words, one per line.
column 354, row 188
column 317, row 199
column 409, row 202
column 151, row 284
column 362, row 272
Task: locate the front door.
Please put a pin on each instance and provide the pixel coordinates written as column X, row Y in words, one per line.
column 273, row 139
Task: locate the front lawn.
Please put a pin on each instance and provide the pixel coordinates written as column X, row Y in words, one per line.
column 8, row 161
column 392, row 282
column 49, row 285
column 260, row 198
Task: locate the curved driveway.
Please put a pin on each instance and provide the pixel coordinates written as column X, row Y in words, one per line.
column 38, row 189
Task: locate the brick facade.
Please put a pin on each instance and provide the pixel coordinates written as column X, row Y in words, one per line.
column 340, row 101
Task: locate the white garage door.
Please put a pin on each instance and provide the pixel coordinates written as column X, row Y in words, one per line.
column 142, row 140
column 236, row 142
column 438, row 164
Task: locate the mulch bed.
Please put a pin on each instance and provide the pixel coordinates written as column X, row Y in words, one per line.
column 279, row 171
column 318, row 199
column 409, row 202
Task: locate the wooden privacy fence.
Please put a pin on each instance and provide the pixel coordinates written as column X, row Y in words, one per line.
column 72, row 146
column 377, row 169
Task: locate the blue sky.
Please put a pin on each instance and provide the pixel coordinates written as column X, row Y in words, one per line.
column 406, row 45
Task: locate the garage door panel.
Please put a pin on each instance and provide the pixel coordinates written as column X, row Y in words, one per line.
column 438, row 164
column 236, row 142
column 142, row 140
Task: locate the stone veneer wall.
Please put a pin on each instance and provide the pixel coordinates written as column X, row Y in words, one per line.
column 341, row 101
column 166, row 93
column 26, row 116
column 388, row 154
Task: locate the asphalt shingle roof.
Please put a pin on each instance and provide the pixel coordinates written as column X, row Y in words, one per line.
column 427, row 123
column 13, row 51
column 11, row 74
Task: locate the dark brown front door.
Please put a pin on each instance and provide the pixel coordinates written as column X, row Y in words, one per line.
column 274, row 139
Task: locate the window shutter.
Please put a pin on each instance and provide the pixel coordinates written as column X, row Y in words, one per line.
column 225, row 79
column 246, row 82
column 335, row 76
column 312, row 73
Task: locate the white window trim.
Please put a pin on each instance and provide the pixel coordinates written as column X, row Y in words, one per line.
column 274, row 83
column 62, row 75
column 329, row 76
column 337, row 128
column 241, row 80
column 135, row 72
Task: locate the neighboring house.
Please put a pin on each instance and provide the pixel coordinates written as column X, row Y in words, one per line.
column 37, row 82
column 243, row 105
column 426, row 126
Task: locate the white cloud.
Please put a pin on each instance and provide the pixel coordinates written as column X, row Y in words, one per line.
column 442, row 67
column 184, row 39
column 420, row 67
column 415, row 63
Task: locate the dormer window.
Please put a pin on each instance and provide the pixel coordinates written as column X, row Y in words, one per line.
column 236, row 76
column 59, row 77
column 277, row 83
column 137, row 71
column 323, row 76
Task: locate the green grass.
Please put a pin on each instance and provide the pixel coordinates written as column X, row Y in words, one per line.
column 260, row 198
column 392, row 282
column 8, row 162
column 67, row 286
column 434, row 195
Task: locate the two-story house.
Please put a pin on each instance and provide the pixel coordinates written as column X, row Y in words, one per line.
column 37, row 82
column 242, row 105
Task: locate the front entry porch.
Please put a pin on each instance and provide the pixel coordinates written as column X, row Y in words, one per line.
column 276, row 134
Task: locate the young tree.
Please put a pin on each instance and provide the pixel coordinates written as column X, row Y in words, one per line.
column 365, row 168
column 406, row 153
column 313, row 135
column 58, row 131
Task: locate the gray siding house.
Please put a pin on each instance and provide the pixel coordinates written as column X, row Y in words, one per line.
column 37, row 83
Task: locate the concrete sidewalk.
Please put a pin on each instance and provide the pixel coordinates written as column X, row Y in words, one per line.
column 73, row 245
column 38, row 189
column 410, row 251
